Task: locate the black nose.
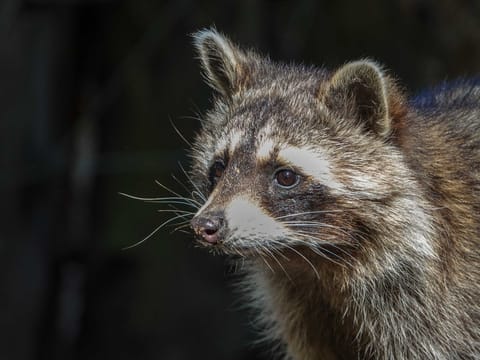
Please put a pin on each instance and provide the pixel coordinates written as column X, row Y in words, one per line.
column 208, row 226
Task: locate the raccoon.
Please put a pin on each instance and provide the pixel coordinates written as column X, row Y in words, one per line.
column 355, row 210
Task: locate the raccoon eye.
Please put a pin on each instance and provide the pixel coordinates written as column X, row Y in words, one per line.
column 216, row 171
column 287, row 178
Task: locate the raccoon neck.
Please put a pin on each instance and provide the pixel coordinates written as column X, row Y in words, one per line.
column 337, row 317
column 303, row 312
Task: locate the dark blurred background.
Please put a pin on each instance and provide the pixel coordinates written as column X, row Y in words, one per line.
column 87, row 91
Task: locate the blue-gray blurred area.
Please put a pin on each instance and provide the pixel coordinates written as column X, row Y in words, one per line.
column 88, row 92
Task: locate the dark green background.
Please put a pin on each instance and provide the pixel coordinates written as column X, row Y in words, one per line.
column 87, row 91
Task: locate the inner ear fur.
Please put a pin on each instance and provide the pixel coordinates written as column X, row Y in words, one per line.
column 362, row 91
column 224, row 64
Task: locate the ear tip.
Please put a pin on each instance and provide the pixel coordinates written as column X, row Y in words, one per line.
column 221, row 60
column 202, row 36
column 367, row 64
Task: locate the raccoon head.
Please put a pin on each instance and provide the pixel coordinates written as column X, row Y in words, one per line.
column 295, row 157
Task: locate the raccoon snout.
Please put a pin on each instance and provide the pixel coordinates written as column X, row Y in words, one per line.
column 208, row 227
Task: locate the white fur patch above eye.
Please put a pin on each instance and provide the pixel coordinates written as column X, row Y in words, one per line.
column 312, row 163
column 265, row 149
column 235, row 140
column 247, row 220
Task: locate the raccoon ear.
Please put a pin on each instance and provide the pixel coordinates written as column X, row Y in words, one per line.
column 361, row 90
column 224, row 64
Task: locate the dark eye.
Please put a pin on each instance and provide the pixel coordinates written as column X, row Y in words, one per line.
column 216, row 171
column 287, row 178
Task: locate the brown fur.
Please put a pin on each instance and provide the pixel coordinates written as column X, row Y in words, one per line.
column 396, row 262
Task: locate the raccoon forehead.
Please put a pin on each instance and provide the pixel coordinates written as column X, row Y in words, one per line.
column 230, row 141
column 258, row 116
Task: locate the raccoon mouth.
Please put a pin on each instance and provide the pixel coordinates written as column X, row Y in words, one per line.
column 228, row 247
column 233, row 248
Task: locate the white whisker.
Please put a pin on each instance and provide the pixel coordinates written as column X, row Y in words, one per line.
column 165, row 200
column 178, row 195
column 272, row 255
column 315, row 224
column 152, row 233
column 282, row 244
column 260, row 253
column 322, row 248
column 179, row 133
column 198, row 191
column 185, row 187
column 308, row 213
column 176, row 211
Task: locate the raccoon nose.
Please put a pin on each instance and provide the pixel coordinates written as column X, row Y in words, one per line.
column 208, row 227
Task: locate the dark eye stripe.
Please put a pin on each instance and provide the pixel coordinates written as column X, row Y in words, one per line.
column 216, row 172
